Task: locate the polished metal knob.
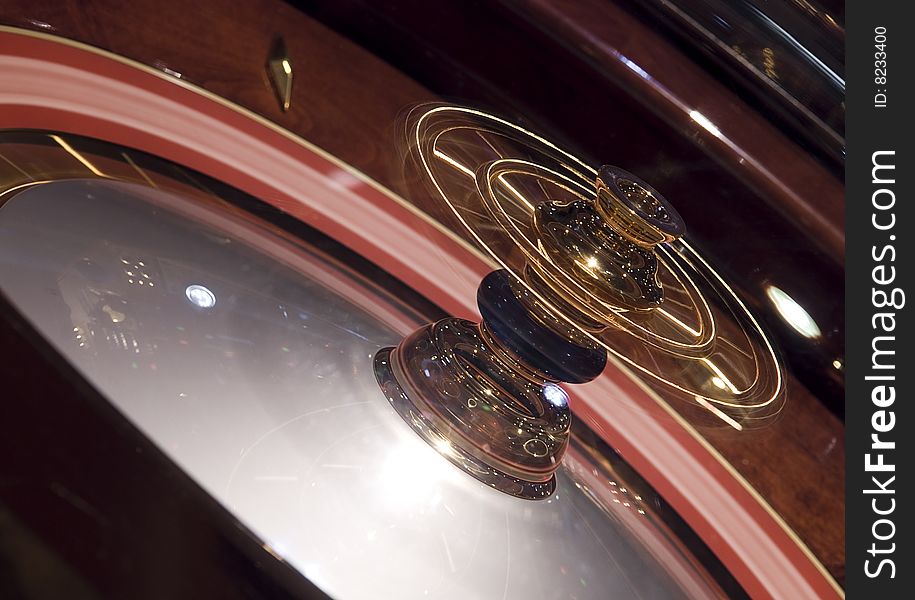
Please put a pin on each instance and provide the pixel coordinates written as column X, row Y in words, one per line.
column 635, row 209
column 487, row 395
column 602, row 251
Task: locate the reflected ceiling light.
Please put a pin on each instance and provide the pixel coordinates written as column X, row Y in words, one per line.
column 555, row 395
column 200, row 296
column 412, row 474
column 634, row 67
column 705, row 123
column 793, row 313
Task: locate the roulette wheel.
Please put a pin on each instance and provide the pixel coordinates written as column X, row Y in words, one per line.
column 280, row 321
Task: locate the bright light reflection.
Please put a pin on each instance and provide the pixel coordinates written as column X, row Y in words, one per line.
column 704, row 122
column 443, row 446
column 413, row 473
column 555, row 395
column 200, row 296
column 793, row 313
column 634, row 67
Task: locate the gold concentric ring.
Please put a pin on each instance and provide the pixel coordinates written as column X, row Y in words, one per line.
column 701, row 344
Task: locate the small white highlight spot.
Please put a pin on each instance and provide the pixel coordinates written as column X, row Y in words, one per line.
column 200, row 296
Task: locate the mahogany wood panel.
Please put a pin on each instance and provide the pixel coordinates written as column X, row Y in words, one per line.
column 788, row 176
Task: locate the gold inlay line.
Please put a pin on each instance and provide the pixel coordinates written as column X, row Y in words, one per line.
column 138, row 169
column 15, row 166
column 454, row 163
column 718, row 413
column 720, row 374
column 72, row 152
column 677, row 322
column 516, row 193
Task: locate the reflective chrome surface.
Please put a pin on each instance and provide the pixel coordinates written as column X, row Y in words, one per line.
column 486, row 395
column 248, row 361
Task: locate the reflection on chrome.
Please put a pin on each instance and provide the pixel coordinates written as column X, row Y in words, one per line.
column 555, row 395
column 200, row 296
column 599, row 254
column 463, row 392
column 793, row 313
